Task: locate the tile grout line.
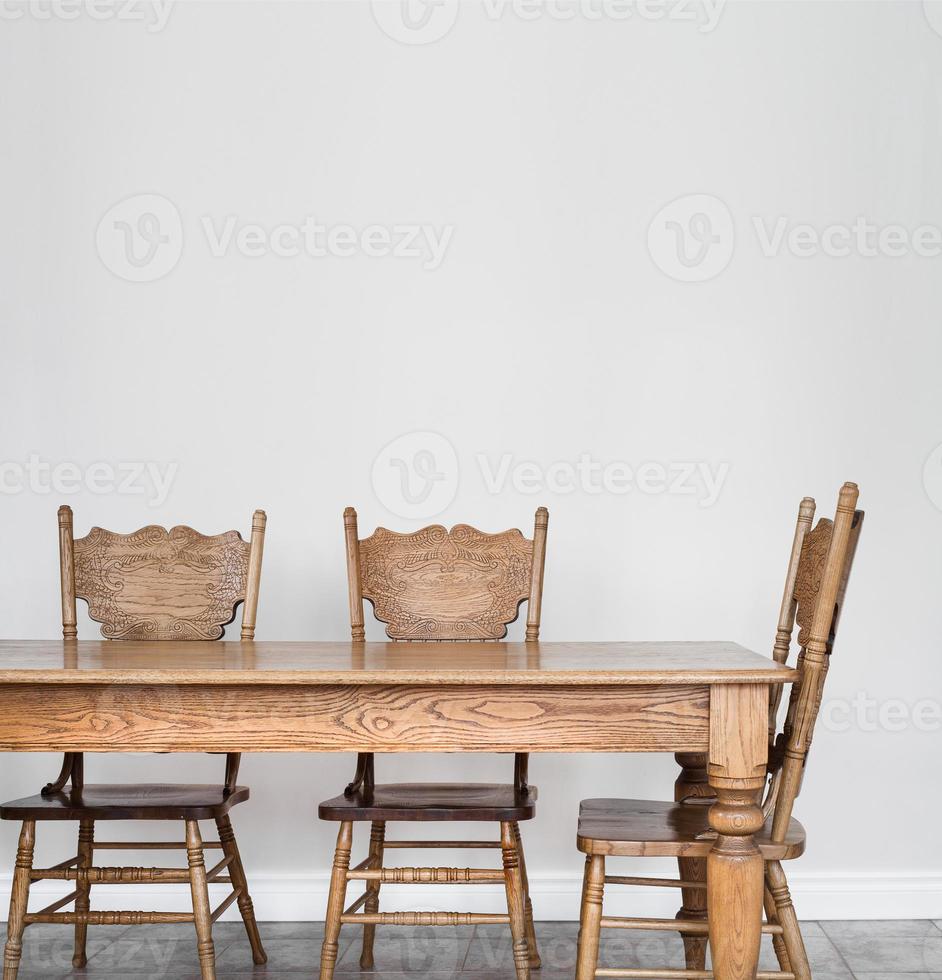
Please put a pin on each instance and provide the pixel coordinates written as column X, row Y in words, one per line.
column 836, row 948
column 467, row 952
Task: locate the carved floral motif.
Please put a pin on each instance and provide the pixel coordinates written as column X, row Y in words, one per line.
column 156, row 584
column 814, row 552
column 437, row 584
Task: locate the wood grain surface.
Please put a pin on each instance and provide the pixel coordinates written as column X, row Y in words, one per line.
column 440, row 584
column 70, row 662
column 353, row 718
column 159, row 584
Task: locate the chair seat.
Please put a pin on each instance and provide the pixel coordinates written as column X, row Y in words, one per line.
column 643, row 828
column 434, row 801
column 153, row 801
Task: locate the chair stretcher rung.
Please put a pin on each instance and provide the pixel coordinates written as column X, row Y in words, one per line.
column 114, row 876
column 424, row 919
column 225, row 904
column 696, row 927
column 109, row 918
column 58, row 905
column 639, row 974
column 428, row 876
column 357, row 904
column 654, row 882
column 160, row 845
column 214, row 872
column 441, row 844
column 690, row 926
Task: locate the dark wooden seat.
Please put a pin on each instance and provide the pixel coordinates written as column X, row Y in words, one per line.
column 154, row 801
column 646, row 828
column 422, row 802
column 431, row 585
column 815, row 584
column 153, row 584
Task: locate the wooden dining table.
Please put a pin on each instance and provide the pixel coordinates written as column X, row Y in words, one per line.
column 252, row 696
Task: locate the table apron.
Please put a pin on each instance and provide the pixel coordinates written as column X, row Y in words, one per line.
column 353, row 718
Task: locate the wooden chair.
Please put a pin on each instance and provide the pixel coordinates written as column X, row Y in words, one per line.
column 437, row 585
column 149, row 585
column 814, row 593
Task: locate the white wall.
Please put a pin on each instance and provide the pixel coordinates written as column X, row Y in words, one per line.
column 548, row 146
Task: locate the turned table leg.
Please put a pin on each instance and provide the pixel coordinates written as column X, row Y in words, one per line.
column 735, row 868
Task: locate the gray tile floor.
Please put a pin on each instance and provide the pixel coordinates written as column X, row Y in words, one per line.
column 897, row 950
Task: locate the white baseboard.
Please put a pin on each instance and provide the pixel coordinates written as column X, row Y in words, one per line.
column 296, row 898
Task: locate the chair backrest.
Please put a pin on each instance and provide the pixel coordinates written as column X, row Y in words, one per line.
column 818, row 571
column 437, row 584
column 157, row 584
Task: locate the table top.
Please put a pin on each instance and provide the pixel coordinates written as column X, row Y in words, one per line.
column 345, row 662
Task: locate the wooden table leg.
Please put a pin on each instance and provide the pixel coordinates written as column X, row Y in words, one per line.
column 735, row 879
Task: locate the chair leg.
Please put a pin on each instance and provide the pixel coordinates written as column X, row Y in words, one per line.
column 516, row 901
column 694, row 907
column 778, row 941
column 230, row 849
column 19, row 900
column 590, row 919
column 371, row 906
column 201, row 908
column 86, row 852
column 336, row 900
column 534, row 952
column 788, row 920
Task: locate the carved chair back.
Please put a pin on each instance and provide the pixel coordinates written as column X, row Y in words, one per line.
column 156, row 584
column 815, row 586
column 436, row 584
